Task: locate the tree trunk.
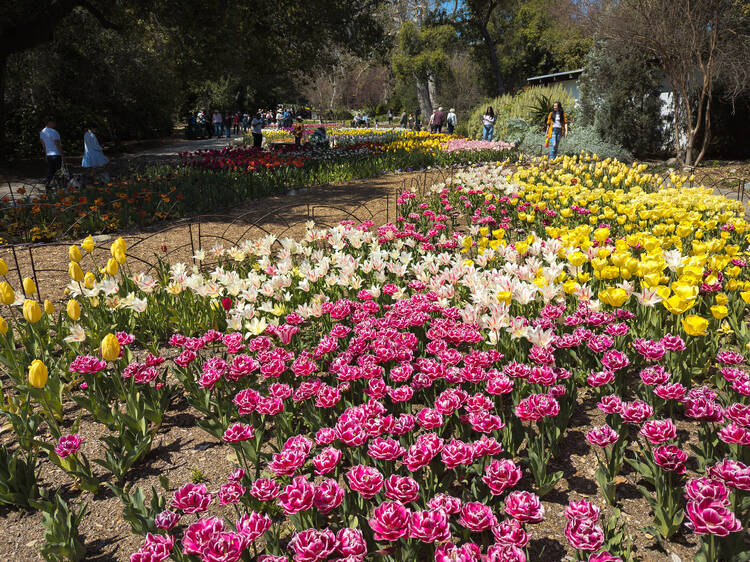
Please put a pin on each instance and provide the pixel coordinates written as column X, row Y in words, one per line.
column 432, row 89
column 706, row 132
column 494, row 64
column 423, row 97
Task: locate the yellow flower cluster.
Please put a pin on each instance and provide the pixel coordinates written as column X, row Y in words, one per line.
column 624, row 228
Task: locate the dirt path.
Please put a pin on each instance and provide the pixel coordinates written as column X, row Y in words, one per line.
column 372, row 199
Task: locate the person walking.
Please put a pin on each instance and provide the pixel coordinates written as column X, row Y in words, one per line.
column 256, row 127
column 390, row 117
column 411, row 122
column 439, row 120
column 217, row 121
column 93, row 154
column 404, row 120
column 228, row 125
column 432, row 121
column 418, row 120
column 297, row 131
column 53, row 151
column 451, row 120
column 488, row 123
column 236, row 123
column 557, row 127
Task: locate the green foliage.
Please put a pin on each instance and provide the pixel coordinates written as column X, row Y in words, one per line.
column 133, row 438
column 62, row 541
column 579, row 139
column 524, row 105
column 18, row 478
column 620, row 98
column 139, row 513
column 531, row 39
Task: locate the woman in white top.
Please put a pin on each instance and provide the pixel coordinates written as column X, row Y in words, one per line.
column 488, row 121
column 93, row 153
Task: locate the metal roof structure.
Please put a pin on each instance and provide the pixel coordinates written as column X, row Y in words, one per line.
column 566, row 75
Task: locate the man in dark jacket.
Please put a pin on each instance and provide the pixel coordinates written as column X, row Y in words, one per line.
column 439, row 120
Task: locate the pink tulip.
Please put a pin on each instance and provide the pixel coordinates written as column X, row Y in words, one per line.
column 429, row 526
column 390, row 521
column 524, row 507
column 328, row 495
column 297, row 496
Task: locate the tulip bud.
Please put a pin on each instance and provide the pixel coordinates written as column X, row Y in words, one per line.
column 89, row 280
column 112, row 267
column 3, row 267
column 3, row 326
column 118, row 246
column 7, row 295
column 110, row 347
column 49, row 308
column 29, row 287
column 74, row 253
column 88, row 244
column 74, row 310
column 75, row 272
column 37, row 374
column 31, row 311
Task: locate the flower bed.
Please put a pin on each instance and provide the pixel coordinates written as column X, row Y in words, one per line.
column 211, row 180
column 408, row 391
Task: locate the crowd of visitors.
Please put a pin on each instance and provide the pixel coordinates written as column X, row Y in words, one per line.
column 205, row 123
column 215, row 123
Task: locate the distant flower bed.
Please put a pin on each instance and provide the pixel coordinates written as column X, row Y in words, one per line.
column 456, row 145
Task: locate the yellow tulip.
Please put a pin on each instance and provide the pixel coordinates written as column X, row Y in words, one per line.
column 88, row 244
column 695, row 325
column 74, row 310
column 110, row 347
column 75, row 272
column 719, row 311
column 601, row 234
column 29, row 287
column 120, row 256
column 74, row 253
column 745, row 296
column 31, row 311
column 677, row 305
column 3, row 268
column 88, row 280
column 505, row 296
column 112, row 267
column 721, row 298
column 38, row 374
column 3, row 326
column 7, row 295
column 49, row 308
column 613, row 296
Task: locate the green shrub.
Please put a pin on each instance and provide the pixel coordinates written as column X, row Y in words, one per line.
column 525, row 105
column 579, row 139
column 620, row 90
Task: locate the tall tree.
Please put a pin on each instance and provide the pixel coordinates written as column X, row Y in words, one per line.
column 26, row 25
column 480, row 15
column 422, row 56
column 696, row 42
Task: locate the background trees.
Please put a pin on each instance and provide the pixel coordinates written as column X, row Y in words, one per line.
column 134, row 67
